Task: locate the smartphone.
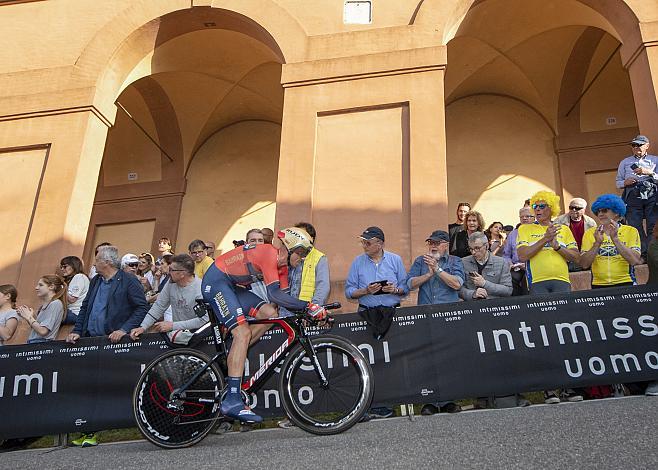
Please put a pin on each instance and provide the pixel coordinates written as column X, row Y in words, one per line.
column 634, row 166
column 381, row 283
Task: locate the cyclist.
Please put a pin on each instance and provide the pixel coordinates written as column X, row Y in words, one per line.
column 225, row 287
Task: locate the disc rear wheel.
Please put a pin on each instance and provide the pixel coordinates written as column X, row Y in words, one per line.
column 173, row 422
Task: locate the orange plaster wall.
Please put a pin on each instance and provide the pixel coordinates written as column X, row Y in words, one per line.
column 231, row 185
column 361, row 178
column 500, row 152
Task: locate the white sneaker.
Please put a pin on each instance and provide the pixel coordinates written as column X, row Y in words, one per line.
column 571, row 396
column 551, row 398
column 652, row 389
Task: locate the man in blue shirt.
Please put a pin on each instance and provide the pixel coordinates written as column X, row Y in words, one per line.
column 439, row 276
column 365, row 280
column 637, row 177
column 377, row 278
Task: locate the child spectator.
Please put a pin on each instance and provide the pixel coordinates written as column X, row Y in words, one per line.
column 72, row 271
column 165, row 247
column 51, row 290
column 8, row 315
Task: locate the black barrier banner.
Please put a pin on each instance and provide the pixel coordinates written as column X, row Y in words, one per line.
column 431, row 353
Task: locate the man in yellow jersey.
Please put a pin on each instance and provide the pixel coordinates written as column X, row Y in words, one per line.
column 611, row 249
column 546, row 247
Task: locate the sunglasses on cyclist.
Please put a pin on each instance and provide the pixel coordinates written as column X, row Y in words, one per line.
column 132, row 265
column 636, row 145
column 539, row 206
column 575, row 208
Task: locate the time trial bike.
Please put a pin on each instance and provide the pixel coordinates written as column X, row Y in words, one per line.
column 325, row 383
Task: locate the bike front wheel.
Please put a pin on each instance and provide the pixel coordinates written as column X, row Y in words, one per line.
column 174, row 422
column 333, row 407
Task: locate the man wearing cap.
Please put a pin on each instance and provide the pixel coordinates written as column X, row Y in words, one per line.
column 637, row 177
column 365, row 280
column 377, row 279
column 129, row 263
column 438, row 275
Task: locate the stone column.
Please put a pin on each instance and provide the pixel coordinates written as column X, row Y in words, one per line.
column 363, row 143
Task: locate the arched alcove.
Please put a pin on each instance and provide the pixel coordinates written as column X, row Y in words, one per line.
column 207, row 71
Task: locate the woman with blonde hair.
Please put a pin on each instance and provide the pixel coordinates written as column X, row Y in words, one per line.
column 8, row 315
column 145, row 270
column 51, row 290
column 473, row 222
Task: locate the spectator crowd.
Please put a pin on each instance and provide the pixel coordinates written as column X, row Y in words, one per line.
column 129, row 294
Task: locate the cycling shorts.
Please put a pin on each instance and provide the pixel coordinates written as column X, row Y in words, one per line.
column 232, row 304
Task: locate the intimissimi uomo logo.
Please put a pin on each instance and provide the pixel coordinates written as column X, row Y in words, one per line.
column 24, row 384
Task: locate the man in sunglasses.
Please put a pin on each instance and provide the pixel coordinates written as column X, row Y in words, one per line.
column 637, row 177
column 129, row 263
column 546, row 247
column 578, row 222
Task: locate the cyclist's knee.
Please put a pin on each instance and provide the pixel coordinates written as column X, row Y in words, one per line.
column 267, row 311
column 241, row 332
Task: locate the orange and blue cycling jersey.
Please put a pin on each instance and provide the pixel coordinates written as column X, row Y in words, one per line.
column 225, row 284
column 251, row 263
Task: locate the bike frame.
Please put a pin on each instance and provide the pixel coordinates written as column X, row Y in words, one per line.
column 295, row 331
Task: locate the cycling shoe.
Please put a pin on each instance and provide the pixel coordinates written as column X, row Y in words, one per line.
column 240, row 412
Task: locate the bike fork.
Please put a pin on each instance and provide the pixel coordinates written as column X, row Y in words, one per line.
column 310, row 352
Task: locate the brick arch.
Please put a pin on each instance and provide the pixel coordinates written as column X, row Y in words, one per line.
column 108, row 59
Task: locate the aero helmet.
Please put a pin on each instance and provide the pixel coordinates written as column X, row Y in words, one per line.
column 293, row 237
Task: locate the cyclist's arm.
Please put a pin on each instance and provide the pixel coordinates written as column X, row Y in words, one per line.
column 282, row 299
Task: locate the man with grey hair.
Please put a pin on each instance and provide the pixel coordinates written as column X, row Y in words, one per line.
column 517, row 267
column 181, row 295
column 115, row 303
column 578, row 223
column 637, row 176
column 576, row 219
column 487, row 276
